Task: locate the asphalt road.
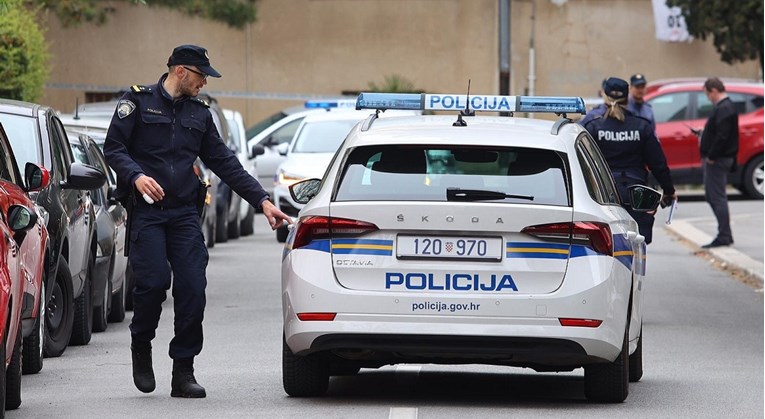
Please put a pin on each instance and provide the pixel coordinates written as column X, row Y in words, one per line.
column 703, row 356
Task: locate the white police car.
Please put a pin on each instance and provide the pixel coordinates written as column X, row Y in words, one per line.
column 445, row 239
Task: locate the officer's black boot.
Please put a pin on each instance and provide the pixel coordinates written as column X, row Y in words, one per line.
column 143, row 374
column 184, row 384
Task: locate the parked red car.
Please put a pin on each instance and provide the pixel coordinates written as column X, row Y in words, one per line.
column 22, row 264
column 680, row 108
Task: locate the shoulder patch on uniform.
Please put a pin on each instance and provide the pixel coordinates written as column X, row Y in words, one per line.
column 125, row 108
column 201, row 101
column 140, row 89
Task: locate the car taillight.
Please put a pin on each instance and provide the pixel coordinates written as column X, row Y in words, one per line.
column 580, row 322
column 596, row 236
column 320, row 227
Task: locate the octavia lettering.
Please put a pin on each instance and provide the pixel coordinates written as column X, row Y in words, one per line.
column 449, row 282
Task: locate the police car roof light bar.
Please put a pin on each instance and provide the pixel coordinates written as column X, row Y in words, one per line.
column 478, row 103
column 329, row 104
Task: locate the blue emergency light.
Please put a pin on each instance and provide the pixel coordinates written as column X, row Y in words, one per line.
column 329, row 104
column 478, row 103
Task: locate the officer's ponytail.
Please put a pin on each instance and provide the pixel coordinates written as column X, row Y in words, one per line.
column 615, row 107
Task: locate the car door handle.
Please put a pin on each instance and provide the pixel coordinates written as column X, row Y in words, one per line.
column 679, row 135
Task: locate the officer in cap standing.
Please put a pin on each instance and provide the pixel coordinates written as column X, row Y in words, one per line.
column 629, row 144
column 156, row 134
column 636, row 103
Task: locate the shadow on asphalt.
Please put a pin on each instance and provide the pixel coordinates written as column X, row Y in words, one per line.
column 458, row 388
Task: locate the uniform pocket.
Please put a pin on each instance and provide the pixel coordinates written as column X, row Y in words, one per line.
column 158, row 130
column 195, row 129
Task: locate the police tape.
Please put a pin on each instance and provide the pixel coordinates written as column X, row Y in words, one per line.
column 213, row 93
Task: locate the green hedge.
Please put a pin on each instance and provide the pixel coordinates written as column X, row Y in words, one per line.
column 23, row 53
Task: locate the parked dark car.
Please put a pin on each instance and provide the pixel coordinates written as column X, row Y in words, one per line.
column 22, row 267
column 228, row 202
column 111, row 220
column 36, row 135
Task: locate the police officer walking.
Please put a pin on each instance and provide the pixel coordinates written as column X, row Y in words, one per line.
column 636, row 102
column 629, row 144
column 156, row 134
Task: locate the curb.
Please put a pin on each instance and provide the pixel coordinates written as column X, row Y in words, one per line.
column 728, row 255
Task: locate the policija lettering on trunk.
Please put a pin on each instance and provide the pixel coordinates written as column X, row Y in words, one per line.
column 449, row 282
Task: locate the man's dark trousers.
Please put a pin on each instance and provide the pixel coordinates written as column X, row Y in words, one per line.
column 715, row 181
column 160, row 235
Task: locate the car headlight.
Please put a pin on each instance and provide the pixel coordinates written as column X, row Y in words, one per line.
column 287, row 179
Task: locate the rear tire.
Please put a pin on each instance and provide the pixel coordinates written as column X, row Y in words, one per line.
column 32, row 349
column 13, row 376
column 752, row 182
column 636, row 360
column 609, row 383
column 117, row 313
column 281, row 234
column 248, row 223
column 59, row 312
column 221, row 225
column 101, row 314
column 304, row 376
column 82, row 330
column 233, row 227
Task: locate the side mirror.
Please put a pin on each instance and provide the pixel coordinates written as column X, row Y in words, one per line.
column 20, row 220
column 83, row 176
column 257, row 150
column 305, row 190
column 282, row 148
column 35, row 177
column 643, row 198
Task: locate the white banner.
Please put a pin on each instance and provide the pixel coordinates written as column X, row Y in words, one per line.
column 670, row 23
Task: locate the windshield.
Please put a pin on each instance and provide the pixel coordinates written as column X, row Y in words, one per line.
column 260, row 126
column 22, row 133
column 428, row 173
column 322, row 136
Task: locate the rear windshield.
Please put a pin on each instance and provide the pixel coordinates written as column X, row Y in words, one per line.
column 322, row 136
column 426, row 173
column 22, row 134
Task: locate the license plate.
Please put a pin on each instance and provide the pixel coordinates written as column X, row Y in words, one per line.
column 449, row 247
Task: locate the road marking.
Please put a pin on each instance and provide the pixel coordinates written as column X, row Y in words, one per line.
column 403, row 413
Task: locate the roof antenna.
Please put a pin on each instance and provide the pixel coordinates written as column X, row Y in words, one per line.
column 465, row 112
column 77, row 108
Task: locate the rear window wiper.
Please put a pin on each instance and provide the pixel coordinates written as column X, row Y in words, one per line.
column 457, row 194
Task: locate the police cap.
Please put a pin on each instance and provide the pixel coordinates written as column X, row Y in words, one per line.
column 638, row 80
column 615, row 88
column 192, row 55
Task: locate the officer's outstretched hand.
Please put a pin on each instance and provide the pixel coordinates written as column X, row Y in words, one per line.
column 274, row 216
column 149, row 186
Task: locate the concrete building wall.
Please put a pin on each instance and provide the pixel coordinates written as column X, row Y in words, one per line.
column 325, row 47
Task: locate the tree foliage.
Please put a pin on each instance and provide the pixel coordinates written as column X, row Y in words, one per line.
column 23, row 53
column 394, row 84
column 235, row 13
column 736, row 27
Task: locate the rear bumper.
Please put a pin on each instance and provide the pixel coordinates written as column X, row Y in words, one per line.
column 505, row 329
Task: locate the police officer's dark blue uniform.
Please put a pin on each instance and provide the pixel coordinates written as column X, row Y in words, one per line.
column 630, row 148
column 155, row 136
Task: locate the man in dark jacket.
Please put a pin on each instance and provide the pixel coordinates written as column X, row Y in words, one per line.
column 156, row 134
column 719, row 146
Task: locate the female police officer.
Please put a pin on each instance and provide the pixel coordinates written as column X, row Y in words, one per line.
column 156, row 134
column 629, row 144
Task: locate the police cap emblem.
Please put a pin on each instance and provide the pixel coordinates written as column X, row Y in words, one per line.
column 125, row 108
